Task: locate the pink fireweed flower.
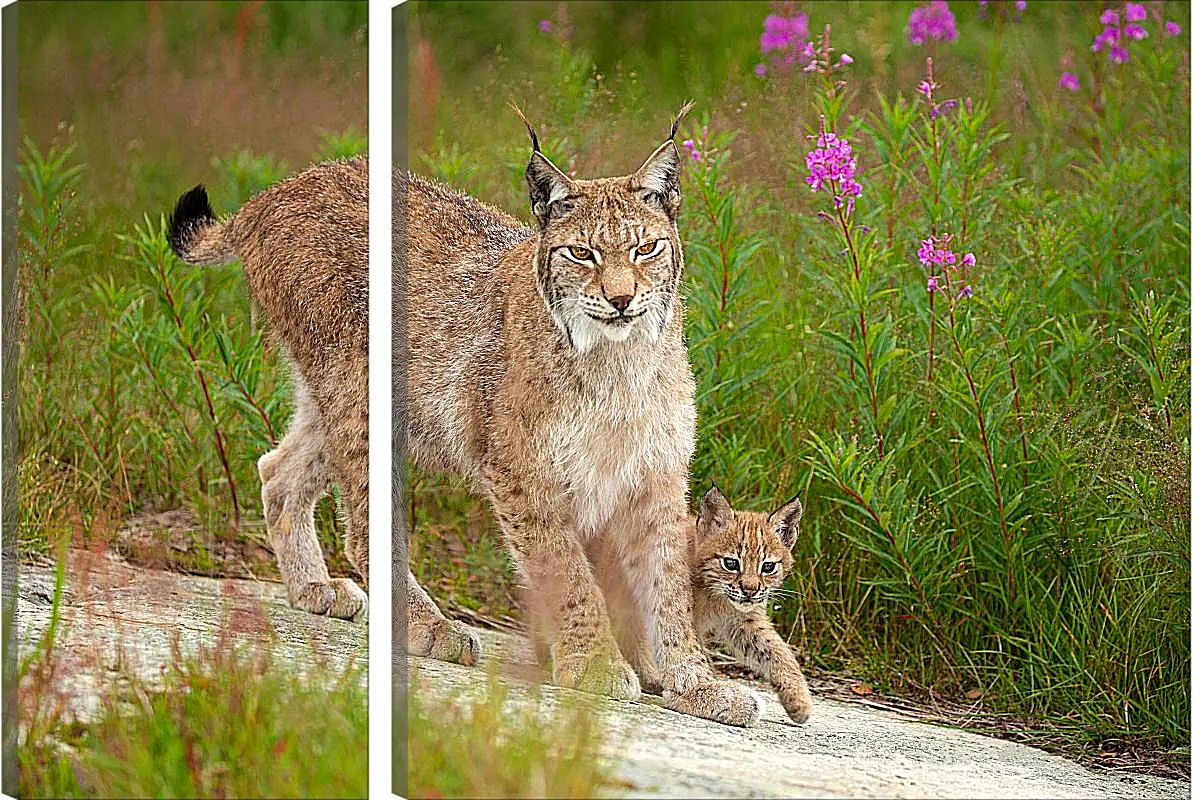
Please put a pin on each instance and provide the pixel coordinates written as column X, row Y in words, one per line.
column 1119, row 55
column 969, row 259
column 1135, row 31
column 934, row 22
column 1171, row 28
column 546, row 26
column 932, row 285
column 845, row 60
column 760, row 70
column 1135, row 12
column 1069, row 80
column 965, row 292
column 690, row 146
column 1110, row 17
column 831, row 165
column 783, row 38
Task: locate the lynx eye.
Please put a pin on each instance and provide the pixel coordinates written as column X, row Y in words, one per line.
column 580, row 254
column 769, row 567
column 648, row 249
column 731, row 564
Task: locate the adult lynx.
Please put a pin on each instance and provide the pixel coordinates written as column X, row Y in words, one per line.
column 547, row 366
column 303, row 245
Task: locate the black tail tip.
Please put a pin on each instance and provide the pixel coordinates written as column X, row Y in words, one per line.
column 191, row 212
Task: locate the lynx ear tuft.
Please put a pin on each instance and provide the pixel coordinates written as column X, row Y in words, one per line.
column 786, row 521
column 683, row 112
column 528, row 127
column 715, row 513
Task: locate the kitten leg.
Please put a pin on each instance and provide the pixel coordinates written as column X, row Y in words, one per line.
column 562, row 593
column 753, row 640
column 431, row 634
column 655, row 555
column 294, row 476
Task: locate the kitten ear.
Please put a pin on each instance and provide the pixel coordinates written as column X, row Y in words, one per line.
column 657, row 180
column 786, row 521
column 715, row 512
column 547, row 183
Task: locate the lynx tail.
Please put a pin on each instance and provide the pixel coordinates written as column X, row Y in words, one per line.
column 194, row 233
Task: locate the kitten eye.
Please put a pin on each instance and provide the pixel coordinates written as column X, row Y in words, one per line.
column 731, row 564
column 578, row 253
column 649, row 248
column 769, row 567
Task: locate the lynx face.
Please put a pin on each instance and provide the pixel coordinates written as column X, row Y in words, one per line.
column 609, row 259
column 743, row 555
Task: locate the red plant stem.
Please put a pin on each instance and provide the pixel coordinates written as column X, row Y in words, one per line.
column 862, row 329
column 987, row 455
column 908, row 571
column 212, row 414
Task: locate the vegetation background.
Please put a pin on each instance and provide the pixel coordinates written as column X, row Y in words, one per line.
column 147, row 389
column 996, row 484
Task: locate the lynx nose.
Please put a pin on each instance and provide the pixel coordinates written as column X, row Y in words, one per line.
column 621, row 302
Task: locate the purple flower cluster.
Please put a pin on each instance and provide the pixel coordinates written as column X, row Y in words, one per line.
column 1121, row 27
column 934, row 22
column 694, row 152
column 937, row 257
column 786, row 40
column 831, row 165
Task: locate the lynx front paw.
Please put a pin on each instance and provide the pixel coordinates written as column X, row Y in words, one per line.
column 598, row 673
column 686, row 675
column 340, row 598
column 721, row 701
column 445, row 641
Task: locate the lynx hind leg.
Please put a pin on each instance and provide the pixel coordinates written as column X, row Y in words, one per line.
column 431, row 634
column 721, row 701
column 294, row 476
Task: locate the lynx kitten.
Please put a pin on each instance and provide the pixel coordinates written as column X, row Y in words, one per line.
column 547, row 366
column 738, row 559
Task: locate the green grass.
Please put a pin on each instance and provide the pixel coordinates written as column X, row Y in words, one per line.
column 497, row 744
column 1018, row 523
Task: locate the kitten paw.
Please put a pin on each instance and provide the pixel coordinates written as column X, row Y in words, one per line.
column 340, row 598
column 446, row 641
column 720, row 701
column 598, row 673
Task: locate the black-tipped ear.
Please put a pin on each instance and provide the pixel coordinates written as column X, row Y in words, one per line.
column 657, row 180
column 683, row 112
column 528, row 127
column 715, row 513
column 549, row 188
column 786, row 521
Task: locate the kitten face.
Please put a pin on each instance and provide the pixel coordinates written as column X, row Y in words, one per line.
column 742, row 556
